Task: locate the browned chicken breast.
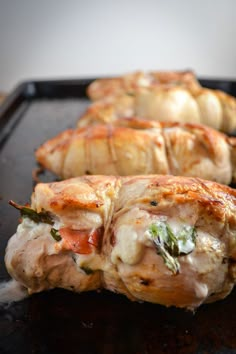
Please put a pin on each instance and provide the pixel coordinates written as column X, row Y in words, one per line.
column 132, row 82
column 210, row 107
column 141, row 147
column 163, row 239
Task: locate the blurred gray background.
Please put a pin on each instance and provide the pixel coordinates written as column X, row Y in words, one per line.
column 71, row 39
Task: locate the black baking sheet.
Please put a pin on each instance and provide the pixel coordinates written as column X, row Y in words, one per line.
column 60, row 321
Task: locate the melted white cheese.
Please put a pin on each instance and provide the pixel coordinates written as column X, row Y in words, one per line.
column 35, row 259
column 128, row 248
column 29, row 230
column 132, row 235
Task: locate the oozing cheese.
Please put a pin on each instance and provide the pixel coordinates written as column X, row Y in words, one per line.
column 43, row 263
column 132, row 235
column 130, row 265
column 128, row 248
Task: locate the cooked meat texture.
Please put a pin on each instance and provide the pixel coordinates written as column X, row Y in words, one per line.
column 140, row 147
column 181, row 104
column 132, row 82
column 163, row 239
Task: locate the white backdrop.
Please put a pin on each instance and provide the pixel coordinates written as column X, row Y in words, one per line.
column 64, row 39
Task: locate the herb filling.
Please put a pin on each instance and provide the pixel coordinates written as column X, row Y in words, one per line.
column 55, row 234
column 170, row 245
column 42, row 216
column 27, row 212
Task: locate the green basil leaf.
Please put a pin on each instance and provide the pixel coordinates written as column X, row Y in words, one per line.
column 170, row 245
column 55, row 234
column 27, row 212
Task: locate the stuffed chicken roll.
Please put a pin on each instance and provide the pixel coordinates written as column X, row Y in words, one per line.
column 136, row 147
column 163, row 239
column 213, row 108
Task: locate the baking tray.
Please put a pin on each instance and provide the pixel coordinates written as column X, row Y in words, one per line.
column 60, row 321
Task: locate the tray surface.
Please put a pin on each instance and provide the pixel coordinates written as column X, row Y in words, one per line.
column 59, row 321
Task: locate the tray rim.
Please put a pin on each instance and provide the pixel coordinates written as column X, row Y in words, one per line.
column 33, row 89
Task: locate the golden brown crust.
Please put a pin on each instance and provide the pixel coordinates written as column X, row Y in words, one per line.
column 71, row 194
column 89, row 192
column 186, row 78
column 133, row 146
column 131, row 82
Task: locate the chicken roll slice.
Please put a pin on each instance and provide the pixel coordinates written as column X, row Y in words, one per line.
column 59, row 240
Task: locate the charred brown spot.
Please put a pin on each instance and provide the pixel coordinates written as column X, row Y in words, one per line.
column 153, row 202
column 145, row 282
column 212, row 294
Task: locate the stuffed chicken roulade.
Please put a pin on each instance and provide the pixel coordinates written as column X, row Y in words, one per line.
column 141, row 147
column 163, row 239
column 177, row 104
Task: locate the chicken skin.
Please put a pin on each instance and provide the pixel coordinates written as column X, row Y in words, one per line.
column 132, row 82
column 175, row 103
column 134, row 147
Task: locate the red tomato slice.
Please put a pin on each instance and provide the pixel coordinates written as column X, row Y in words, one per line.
column 80, row 241
column 95, row 237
